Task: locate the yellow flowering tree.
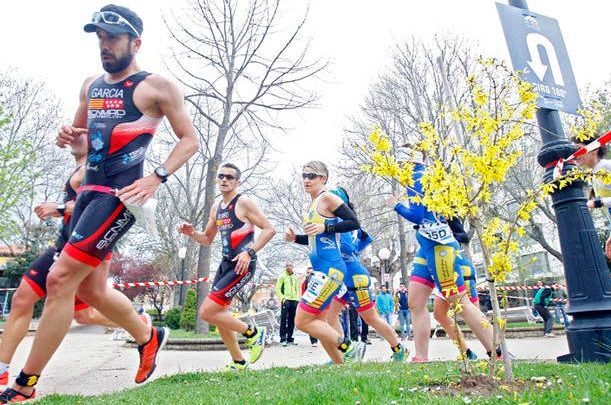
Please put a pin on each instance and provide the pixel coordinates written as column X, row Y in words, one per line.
column 469, row 162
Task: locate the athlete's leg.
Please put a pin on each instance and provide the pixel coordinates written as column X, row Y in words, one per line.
column 226, row 284
column 332, row 314
column 315, row 324
column 418, row 296
column 218, row 315
column 440, row 311
column 231, row 341
column 31, row 289
column 374, row 320
column 16, row 326
column 113, row 304
column 91, row 316
column 476, row 320
column 57, row 314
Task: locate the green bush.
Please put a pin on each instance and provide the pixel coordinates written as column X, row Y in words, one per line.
column 189, row 312
column 172, row 318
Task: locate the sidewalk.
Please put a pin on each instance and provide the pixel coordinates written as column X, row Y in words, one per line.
column 89, row 362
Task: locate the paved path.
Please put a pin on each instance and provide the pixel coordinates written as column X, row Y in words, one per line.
column 89, row 362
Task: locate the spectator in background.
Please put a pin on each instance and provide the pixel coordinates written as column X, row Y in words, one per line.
column 539, row 285
column 304, row 286
column 405, row 320
column 385, row 305
column 542, row 300
column 560, row 306
column 287, row 289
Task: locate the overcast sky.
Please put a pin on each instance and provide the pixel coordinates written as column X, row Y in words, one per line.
column 45, row 40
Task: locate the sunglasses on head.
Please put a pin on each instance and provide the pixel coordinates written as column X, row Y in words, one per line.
column 310, row 176
column 222, row 176
column 112, row 18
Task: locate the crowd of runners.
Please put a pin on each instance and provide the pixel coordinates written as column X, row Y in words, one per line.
column 115, row 122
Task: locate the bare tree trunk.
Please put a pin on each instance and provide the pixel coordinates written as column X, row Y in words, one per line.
column 496, row 310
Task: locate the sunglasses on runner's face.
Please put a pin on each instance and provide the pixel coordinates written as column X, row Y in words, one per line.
column 112, row 18
column 310, row 176
column 222, row 176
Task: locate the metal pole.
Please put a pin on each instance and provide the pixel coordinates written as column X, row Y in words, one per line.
column 585, row 267
column 181, row 297
column 386, row 272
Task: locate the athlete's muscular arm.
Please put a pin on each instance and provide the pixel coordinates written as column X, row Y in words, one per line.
column 331, row 205
column 167, row 100
column 203, row 238
column 253, row 214
column 68, row 133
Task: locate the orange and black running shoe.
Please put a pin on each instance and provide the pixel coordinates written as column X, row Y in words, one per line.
column 10, row 396
column 148, row 353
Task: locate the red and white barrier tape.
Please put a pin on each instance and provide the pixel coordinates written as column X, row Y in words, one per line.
column 160, row 283
column 520, row 287
column 580, row 152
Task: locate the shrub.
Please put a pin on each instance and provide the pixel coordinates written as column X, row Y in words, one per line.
column 189, row 311
column 172, row 318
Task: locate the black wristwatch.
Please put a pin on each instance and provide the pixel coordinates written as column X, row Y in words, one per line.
column 251, row 252
column 61, row 208
column 162, row 173
column 598, row 203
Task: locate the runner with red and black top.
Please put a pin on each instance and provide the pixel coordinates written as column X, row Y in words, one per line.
column 235, row 216
column 118, row 113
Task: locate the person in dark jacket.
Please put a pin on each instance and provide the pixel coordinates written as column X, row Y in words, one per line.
column 542, row 301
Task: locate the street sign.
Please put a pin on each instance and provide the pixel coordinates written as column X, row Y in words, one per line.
column 537, row 49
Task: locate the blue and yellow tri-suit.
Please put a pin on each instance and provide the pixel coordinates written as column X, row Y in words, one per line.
column 357, row 278
column 439, row 260
column 327, row 264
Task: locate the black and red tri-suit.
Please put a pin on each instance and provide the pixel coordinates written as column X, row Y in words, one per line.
column 236, row 237
column 119, row 135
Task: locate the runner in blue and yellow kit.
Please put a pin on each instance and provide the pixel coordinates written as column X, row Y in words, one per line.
column 322, row 228
column 355, row 290
column 437, row 264
column 441, row 305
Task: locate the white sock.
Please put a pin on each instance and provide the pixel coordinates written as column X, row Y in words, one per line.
column 3, row 367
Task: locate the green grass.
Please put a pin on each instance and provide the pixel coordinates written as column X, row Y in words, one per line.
column 367, row 383
column 187, row 334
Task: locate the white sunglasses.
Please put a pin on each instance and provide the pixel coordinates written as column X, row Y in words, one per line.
column 110, row 17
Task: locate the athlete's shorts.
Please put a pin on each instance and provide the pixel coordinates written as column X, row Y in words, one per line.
column 227, row 283
column 99, row 220
column 355, row 290
column 36, row 276
column 326, row 280
column 437, row 266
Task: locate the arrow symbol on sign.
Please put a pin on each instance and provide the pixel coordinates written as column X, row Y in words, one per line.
column 533, row 41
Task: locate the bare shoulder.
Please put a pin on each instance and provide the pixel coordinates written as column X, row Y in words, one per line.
column 161, row 83
column 329, row 202
column 246, row 202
